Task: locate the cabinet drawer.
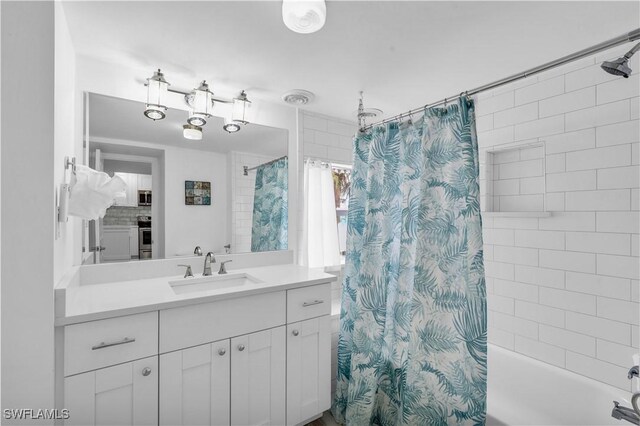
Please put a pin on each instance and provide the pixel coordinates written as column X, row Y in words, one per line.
column 308, row 302
column 97, row 344
column 207, row 322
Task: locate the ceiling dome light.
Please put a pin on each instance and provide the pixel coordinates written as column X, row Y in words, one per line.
column 194, row 133
column 201, row 102
column 231, row 126
column 304, row 16
column 156, row 91
column 298, row 97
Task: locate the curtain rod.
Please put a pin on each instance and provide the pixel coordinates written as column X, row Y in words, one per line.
column 246, row 169
column 630, row 36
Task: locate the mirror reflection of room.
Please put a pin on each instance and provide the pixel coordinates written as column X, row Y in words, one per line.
column 244, row 207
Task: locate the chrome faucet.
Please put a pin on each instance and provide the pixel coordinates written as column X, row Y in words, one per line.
column 188, row 272
column 624, row 413
column 208, row 260
column 223, row 269
column 197, row 251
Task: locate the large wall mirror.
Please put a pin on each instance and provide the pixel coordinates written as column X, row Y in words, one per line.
column 226, row 193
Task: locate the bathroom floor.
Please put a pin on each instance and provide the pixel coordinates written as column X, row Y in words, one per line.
column 325, row 420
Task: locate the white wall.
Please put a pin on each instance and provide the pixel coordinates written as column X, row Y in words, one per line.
column 189, row 226
column 28, row 204
column 564, row 289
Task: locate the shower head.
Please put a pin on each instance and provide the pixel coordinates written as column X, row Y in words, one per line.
column 621, row 65
column 618, row 67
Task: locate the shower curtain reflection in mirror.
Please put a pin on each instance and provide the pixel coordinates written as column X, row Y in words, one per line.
column 270, row 202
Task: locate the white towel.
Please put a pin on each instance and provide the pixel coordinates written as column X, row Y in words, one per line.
column 92, row 192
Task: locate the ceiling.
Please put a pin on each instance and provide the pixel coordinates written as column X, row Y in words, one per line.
column 120, row 119
column 401, row 54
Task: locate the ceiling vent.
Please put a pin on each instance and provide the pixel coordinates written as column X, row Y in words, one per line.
column 298, row 97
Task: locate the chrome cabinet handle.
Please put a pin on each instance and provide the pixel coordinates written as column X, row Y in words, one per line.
column 146, row 371
column 103, row 345
column 222, row 351
column 315, row 302
column 295, row 332
column 241, row 348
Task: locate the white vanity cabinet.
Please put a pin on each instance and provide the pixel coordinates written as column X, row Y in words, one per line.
column 125, row 394
column 111, row 371
column 239, row 381
column 257, row 359
column 308, row 368
column 195, row 385
column 258, row 363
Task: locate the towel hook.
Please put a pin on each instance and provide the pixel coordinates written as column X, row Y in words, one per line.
column 70, row 162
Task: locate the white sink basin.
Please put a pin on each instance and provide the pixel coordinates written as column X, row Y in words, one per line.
column 212, row 282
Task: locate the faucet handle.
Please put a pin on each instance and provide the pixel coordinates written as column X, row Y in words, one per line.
column 197, row 251
column 223, row 268
column 188, row 273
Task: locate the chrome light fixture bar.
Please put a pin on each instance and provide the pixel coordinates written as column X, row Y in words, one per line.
column 157, row 88
column 200, row 102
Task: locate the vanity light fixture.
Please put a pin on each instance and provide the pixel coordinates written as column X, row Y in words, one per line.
column 231, row 126
column 201, row 102
column 240, row 106
column 192, row 132
column 304, row 16
column 157, row 88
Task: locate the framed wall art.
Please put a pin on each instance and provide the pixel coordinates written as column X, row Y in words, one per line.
column 197, row 193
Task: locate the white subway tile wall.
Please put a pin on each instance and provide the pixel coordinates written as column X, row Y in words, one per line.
column 565, row 289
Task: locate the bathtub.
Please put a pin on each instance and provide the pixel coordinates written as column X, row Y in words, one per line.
column 524, row 391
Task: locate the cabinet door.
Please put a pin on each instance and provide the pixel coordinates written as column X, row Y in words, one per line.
column 308, row 369
column 125, row 394
column 258, row 378
column 131, row 191
column 116, row 244
column 194, row 385
column 144, row 182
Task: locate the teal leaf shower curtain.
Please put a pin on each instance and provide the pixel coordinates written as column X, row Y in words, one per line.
column 270, row 215
column 412, row 342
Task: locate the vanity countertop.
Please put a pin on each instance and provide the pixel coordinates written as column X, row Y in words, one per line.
column 111, row 299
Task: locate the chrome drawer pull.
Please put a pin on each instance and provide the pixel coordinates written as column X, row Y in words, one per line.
column 315, row 302
column 103, row 345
